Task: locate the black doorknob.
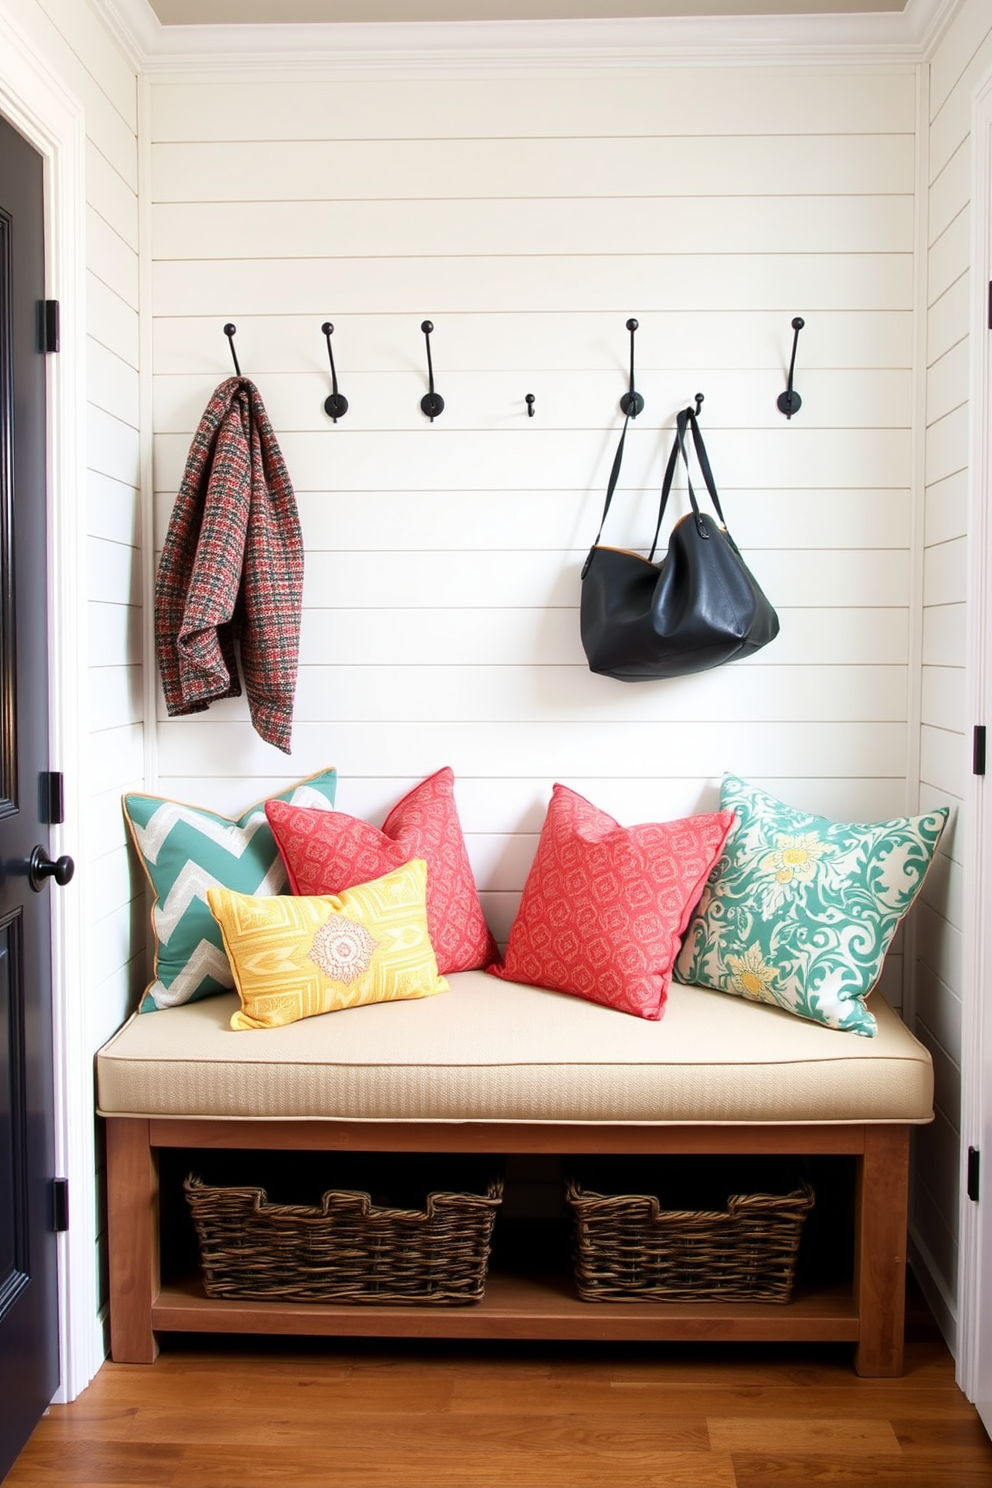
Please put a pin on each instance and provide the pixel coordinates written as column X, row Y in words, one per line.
column 40, row 867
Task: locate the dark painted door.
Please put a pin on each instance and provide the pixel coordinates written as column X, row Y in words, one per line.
column 29, row 1370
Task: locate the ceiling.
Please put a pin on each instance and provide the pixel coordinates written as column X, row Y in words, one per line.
column 281, row 12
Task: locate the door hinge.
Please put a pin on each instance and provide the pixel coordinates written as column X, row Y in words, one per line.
column 978, row 750
column 990, row 304
column 53, row 797
column 60, row 1205
column 974, row 1173
column 50, row 327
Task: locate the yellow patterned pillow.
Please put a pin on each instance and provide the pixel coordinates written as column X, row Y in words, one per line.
column 295, row 957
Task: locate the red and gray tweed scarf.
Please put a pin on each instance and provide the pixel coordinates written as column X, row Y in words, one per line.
column 231, row 574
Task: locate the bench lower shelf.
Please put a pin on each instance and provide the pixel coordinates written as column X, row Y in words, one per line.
column 516, row 1307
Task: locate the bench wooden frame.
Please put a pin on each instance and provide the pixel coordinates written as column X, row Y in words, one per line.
column 869, row 1314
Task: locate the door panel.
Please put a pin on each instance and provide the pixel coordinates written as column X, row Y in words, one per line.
column 28, row 1261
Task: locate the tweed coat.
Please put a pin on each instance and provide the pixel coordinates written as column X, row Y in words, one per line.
column 230, row 580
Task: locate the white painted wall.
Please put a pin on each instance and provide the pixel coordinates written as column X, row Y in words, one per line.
column 528, row 217
column 961, row 60
column 76, row 51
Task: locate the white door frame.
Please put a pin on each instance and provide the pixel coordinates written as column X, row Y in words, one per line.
column 52, row 120
column 974, row 1363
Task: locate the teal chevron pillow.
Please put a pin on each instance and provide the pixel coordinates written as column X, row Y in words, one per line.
column 185, row 850
column 800, row 911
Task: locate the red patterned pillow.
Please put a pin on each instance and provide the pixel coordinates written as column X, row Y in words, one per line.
column 337, row 853
column 604, row 907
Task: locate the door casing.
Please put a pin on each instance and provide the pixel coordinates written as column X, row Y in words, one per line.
column 34, row 102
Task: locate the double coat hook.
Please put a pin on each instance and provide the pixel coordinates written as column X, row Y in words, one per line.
column 631, row 403
column 337, row 404
column 790, row 402
column 431, row 403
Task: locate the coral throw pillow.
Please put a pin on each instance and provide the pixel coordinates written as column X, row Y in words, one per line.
column 326, row 852
column 604, row 906
column 293, row 958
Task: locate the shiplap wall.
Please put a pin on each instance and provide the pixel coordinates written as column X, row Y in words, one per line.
column 528, row 217
column 963, row 58
column 79, row 53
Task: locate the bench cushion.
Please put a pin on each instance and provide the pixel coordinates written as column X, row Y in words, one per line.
column 490, row 1050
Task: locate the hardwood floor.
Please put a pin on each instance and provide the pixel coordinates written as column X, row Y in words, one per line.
column 365, row 1414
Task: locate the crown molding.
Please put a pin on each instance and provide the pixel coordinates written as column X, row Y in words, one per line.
column 876, row 37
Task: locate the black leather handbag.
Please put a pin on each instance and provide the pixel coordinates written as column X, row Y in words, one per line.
column 699, row 607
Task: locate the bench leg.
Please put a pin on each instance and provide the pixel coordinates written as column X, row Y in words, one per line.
column 132, row 1224
column 880, row 1250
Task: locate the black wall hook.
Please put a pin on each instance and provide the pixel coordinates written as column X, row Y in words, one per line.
column 529, row 400
column 337, row 404
column 631, row 402
column 700, row 399
column 431, row 403
column 230, row 331
column 790, row 402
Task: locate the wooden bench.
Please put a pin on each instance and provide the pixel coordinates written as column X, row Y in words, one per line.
column 497, row 1067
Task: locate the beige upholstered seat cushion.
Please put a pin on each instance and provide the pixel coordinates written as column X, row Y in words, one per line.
column 490, row 1050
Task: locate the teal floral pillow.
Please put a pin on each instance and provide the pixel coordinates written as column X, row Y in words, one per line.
column 184, row 851
column 800, row 911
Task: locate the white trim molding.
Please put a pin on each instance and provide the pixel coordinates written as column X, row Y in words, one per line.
column 875, row 37
column 52, row 120
column 976, row 1106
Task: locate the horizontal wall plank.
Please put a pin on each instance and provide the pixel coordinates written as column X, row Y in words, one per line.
column 111, row 321
column 115, row 696
column 113, row 509
column 944, row 757
column 944, row 635
column 948, row 381
column 947, row 445
column 693, row 101
column 939, row 944
column 113, row 446
column 534, row 694
column 946, row 509
column 111, row 384
column 200, row 746
column 356, row 521
column 507, row 807
column 945, row 572
column 399, row 169
column 548, row 225
column 111, row 258
column 111, row 196
column 949, row 191
column 652, row 282
column 114, row 572
column 950, row 255
column 116, row 755
column 944, row 698
column 114, row 634
column 430, row 458
column 432, row 580
column 949, row 318
column 677, row 339
column 808, row 637
column 566, row 399
column 939, row 1008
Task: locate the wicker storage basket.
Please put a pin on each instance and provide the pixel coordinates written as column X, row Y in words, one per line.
column 346, row 1250
column 626, row 1248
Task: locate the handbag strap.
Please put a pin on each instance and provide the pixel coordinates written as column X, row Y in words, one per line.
column 610, row 488
column 687, row 419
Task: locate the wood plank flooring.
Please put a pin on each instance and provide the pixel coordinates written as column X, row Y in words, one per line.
column 245, row 1413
